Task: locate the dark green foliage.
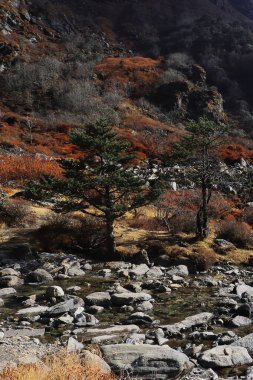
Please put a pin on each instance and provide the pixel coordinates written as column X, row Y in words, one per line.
column 104, row 179
column 197, row 150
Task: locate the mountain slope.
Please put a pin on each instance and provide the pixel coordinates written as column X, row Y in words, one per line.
column 51, row 53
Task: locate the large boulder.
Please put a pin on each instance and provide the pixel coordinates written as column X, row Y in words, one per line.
column 99, row 299
column 146, row 361
column 5, row 292
column 240, row 321
column 35, row 310
column 120, row 329
column 65, row 307
column 7, row 281
column 39, row 276
column 24, row 332
column 188, row 323
column 120, row 299
column 244, row 289
column 225, row 356
column 97, row 362
column 9, row 272
column 246, row 342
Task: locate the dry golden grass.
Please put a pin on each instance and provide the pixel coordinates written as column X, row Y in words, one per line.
column 64, row 367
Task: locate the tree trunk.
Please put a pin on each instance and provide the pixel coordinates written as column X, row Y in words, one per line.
column 110, row 239
column 202, row 216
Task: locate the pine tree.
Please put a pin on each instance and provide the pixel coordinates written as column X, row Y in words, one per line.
column 197, row 152
column 104, row 178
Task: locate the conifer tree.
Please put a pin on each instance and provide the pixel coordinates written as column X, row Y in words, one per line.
column 104, row 178
column 197, row 152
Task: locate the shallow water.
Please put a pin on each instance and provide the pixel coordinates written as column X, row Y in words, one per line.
column 169, row 308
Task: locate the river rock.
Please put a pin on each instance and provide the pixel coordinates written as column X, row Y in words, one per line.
column 65, row 319
column 9, row 272
column 180, row 270
column 246, row 342
column 11, row 333
column 39, row 276
column 245, row 310
column 97, row 362
column 105, row 339
column 7, row 292
column 228, row 302
column 249, row 374
column 75, row 271
column 99, row 299
column 145, row 306
column 36, row 310
column 139, row 318
column 74, row 289
column 121, row 329
column 129, row 298
column 203, row 374
column 11, row 281
column 225, row 356
column 188, row 323
column 87, row 266
column 96, row 309
column 139, row 270
column 85, row 319
column 64, row 307
column 105, row 273
column 154, row 272
column 54, row 292
column 243, row 288
column 240, row 321
column 74, row 345
column 146, row 361
column 30, row 301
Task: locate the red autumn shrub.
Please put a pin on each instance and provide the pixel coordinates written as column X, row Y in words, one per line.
column 27, row 168
column 238, row 233
column 203, row 258
column 248, row 215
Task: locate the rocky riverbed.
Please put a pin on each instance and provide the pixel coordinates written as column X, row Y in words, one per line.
column 148, row 321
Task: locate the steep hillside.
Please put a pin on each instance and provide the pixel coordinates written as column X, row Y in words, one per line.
column 140, row 63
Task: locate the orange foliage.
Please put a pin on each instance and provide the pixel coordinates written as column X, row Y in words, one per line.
column 138, row 72
column 65, row 367
column 26, row 168
column 234, row 153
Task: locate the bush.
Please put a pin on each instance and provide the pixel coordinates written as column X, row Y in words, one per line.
column 203, row 258
column 63, row 232
column 57, row 368
column 219, row 207
column 184, row 222
column 172, row 75
column 179, row 61
column 27, row 168
column 155, row 248
column 248, row 215
column 238, row 233
column 148, row 224
column 179, row 210
column 16, row 214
